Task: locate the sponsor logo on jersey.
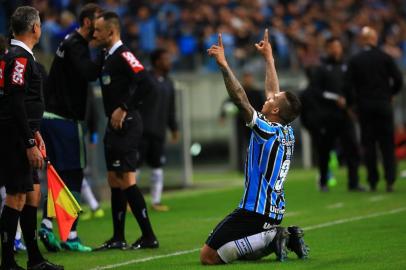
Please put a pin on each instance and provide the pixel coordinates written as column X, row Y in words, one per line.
column 116, row 164
column 132, row 61
column 17, row 76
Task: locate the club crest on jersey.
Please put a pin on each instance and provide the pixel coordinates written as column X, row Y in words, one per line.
column 17, row 76
column 132, row 61
column 106, row 79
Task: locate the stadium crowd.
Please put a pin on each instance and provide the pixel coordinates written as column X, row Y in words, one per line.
column 298, row 29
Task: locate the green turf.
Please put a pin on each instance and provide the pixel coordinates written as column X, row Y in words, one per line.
column 368, row 243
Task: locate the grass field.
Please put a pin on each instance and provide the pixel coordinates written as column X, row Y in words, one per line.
column 344, row 230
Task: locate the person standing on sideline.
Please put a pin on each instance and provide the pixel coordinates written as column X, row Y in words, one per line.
column 158, row 113
column 124, row 82
column 335, row 122
column 65, row 104
column 375, row 80
column 21, row 110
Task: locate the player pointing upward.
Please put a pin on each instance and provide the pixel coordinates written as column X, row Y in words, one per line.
column 251, row 231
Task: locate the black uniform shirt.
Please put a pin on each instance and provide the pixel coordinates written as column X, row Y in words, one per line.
column 22, row 101
column 375, row 78
column 330, row 85
column 71, row 70
column 123, row 80
column 158, row 108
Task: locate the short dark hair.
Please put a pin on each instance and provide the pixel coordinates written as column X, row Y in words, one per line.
column 331, row 40
column 111, row 18
column 156, row 55
column 3, row 44
column 88, row 11
column 23, row 19
column 290, row 108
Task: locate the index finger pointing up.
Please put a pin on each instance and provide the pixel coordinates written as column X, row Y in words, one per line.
column 220, row 40
column 266, row 35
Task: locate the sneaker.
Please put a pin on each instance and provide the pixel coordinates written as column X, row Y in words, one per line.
column 113, row 244
column 49, row 240
column 279, row 243
column 19, row 245
column 142, row 243
column 86, row 215
column 160, row 207
column 358, row 188
column 75, row 245
column 296, row 242
column 44, row 265
column 98, row 213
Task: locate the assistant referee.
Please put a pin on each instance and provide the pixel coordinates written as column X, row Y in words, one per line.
column 21, row 109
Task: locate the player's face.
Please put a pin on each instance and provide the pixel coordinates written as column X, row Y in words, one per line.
column 165, row 62
column 101, row 34
column 37, row 30
column 335, row 49
column 272, row 104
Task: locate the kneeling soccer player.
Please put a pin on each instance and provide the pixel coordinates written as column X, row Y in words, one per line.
column 252, row 231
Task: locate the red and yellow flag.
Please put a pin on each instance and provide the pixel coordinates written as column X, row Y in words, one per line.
column 62, row 205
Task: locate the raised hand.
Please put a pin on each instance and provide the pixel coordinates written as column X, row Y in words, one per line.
column 217, row 51
column 264, row 47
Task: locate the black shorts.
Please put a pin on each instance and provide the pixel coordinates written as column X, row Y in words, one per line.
column 152, row 152
column 121, row 146
column 240, row 223
column 15, row 172
column 64, row 141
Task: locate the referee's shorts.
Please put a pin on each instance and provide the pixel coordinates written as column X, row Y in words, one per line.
column 121, row 146
column 64, row 141
column 15, row 172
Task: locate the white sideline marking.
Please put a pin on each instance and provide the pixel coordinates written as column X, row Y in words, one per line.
column 345, row 220
column 111, row 266
column 335, row 205
column 377, row 198
column 309, row 228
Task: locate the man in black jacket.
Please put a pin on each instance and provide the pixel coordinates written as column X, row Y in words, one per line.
column 158, row 113
column 375, row 79
column 124, row 82
column 65, row 104
column 21, row 109
column 335, row 120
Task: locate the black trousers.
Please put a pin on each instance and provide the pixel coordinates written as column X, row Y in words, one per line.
column 377, row 130
column 325, row 138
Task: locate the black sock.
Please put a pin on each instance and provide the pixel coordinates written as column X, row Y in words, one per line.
column 45, row 208
column 28, row 221
column 139, row 209
column 8, row 228
column 118, row 211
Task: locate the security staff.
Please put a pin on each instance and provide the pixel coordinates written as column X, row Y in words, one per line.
column 335, row 121
column 375, row 79
column 122, row 80
column 21, row 109
column 158, row 113
column 65, row 104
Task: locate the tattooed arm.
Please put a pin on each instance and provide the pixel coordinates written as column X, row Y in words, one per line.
column 234, row 88
column 271, row 78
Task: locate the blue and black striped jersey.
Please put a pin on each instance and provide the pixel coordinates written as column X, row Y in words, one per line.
column 266, row 167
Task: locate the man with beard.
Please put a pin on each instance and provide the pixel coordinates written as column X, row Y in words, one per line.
column 65, row 107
